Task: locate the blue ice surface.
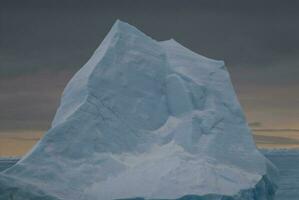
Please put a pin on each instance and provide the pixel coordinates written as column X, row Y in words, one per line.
column 286, row 161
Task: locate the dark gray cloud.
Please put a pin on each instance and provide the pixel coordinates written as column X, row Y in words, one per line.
column 63, row 34
column 262, row 139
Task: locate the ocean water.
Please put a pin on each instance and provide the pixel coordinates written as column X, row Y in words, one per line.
column 288, row 164
column 7, row 162
column 286, row 161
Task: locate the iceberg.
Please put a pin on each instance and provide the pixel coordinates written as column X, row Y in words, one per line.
column 144, row 119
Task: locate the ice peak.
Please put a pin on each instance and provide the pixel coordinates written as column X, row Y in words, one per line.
column 122, row 26
column 125, row 29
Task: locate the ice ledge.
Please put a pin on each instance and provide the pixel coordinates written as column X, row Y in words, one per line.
column 175, row 44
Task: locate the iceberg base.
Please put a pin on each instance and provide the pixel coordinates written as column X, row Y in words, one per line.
column 13, row 190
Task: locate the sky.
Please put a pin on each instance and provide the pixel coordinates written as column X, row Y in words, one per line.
column 43, row 43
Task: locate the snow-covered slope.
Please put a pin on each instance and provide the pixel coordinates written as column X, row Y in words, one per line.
column 144, row 119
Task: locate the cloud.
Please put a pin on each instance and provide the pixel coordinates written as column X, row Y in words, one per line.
column 262, row 139
column 63, row 34
column 255, row 124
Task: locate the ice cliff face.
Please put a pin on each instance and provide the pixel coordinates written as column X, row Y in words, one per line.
column 144, row 119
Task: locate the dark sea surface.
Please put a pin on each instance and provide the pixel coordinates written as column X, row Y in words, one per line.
column 287, row 161
column 288, row 164
column 7, row 162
